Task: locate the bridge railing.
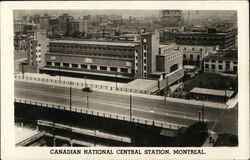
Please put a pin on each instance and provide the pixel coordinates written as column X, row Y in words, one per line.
column 100, row 114
column 80, row 84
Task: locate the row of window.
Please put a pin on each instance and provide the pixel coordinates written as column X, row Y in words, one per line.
column 220, row 67
column 90, row 48
column 213, row 61
column 207, row 66
column 173, row 57
column 192, row 48
column 100, row 54
column 93, row 67
column 191, row 56
column 198, row 37
column 168, row 49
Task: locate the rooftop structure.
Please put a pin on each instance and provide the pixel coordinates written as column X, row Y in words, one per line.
column 225, row 40
column 100, row 43
column 215, row 92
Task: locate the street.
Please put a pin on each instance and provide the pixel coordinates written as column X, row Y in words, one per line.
column 219, row 120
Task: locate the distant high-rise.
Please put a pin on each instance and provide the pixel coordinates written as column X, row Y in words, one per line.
column 171, row 18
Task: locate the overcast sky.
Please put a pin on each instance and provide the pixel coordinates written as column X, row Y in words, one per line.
column 124, row 13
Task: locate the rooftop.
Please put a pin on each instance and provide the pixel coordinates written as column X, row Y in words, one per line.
column 165, row 45
column 200, row 33
column 223, row 55
column 141, row 84
column 169, row 53
column 127, row 44
column 214, row 92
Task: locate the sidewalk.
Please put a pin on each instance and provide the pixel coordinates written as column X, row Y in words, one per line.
column 22, row 134
column 79, row 84
column 71, row 79
column 232, row 102
column 211, row 139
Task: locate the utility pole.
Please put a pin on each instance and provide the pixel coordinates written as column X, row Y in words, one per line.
column 23, row 70
column 203, row 113
column 87, row 100
column 167, row 80
column 130, row 108
column 116, row 79
column 70, row 98
column 226, row 92
column 59, row 72
column 53, row 129
column 166, row 86
column 85, row 82
column 199, row 116
column 225, row 96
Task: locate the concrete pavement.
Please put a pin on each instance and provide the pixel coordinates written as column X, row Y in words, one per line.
column 230, row 104
column 144, row 108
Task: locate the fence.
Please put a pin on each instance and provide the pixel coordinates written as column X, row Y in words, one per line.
column 101, row 114
column 79, row 84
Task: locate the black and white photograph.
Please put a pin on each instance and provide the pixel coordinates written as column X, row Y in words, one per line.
column 149, row 79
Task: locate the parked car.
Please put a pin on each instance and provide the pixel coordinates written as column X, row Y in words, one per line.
column 87, row 89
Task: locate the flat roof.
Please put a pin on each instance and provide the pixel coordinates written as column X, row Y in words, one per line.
column 189, row 67
column 157, row 73
column 141, row 84
column 169, row 53
column 214, row 92
column 85, row 72
column 165, row 45
column 129, row 44
column 223, row 56
column 201, row 33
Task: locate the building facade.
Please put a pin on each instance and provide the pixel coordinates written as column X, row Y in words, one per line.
column 127, row 60
column 38, row 46
column 107, row 59
column 145, row 54
column 226, row 62
column 169, row 59
column 172, row 18
column 194, row 54
column 225, row 40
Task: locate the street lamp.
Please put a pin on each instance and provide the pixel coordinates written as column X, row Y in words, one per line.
column 59, row 68
column 22, row 70
column 166, row 76
column 70, row 97
column 130, row 109
column 87, row 101
column 85, row 82
column 199, row 116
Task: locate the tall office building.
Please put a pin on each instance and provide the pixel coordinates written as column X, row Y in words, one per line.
column 172, row 18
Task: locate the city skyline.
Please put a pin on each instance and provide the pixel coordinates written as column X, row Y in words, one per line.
column 99, row 62
column 125, row 13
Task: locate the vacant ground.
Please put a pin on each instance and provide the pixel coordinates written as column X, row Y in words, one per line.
column 211, row 81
